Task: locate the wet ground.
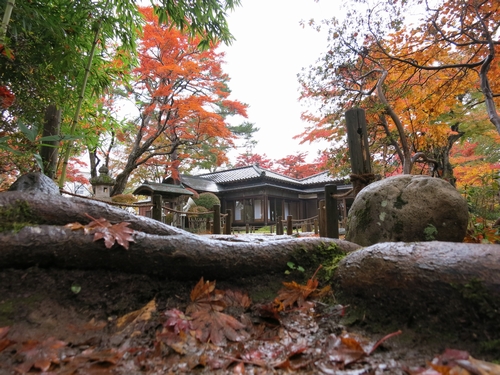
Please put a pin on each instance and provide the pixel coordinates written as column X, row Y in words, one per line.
column 67, row 320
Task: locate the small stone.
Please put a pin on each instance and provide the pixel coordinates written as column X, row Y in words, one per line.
column 35, row 181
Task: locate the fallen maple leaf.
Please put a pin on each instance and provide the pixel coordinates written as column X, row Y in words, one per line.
column 103, row 229
column 177, row 321
column 236, row 298
column 215, row 326
column 143, row 314
column 343, row 350
column 204, row 296
column 5, row 343
column 119, row 233
column 40, row 355
column 209, row 323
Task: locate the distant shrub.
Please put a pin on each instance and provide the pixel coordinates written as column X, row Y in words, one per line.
column 207, row 200
column 124, row 198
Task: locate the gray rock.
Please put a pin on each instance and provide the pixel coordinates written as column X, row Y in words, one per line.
column 407, row 208
column 35, row 181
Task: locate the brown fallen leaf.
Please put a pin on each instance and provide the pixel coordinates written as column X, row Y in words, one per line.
column 236, row 298
column 215, row 326
column 141, row 315
column 5, row 343
column 294, row 293
column 40, row 355
column 204, row 296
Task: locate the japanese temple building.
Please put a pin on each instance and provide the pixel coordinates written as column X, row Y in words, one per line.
column 258, row 197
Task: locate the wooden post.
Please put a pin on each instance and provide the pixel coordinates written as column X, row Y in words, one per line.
column 247, row 228
column 279, row 226
column 332, row 211
column 157, row 207
column 289, row 225
column 229, row 219
column 357, row 138
column 322, row 218
column 216, row 209
column 316, row 230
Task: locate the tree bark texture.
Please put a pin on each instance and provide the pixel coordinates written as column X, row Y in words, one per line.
column 49, row 151
column 435, row 282
column 158, row 249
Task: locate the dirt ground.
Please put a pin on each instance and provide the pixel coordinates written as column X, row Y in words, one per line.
column 49, row 310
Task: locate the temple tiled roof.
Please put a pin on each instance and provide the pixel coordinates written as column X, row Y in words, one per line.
column 254, row 172
column 199, row 184
column 166, row 190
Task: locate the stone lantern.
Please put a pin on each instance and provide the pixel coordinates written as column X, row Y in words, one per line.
column 102, row 184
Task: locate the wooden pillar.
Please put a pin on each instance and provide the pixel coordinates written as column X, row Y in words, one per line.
column 322, row 218
column 157, row 207
column 357, row 139
column 279, row 226
column 289, row 225
column 216, row 210
column 332, row 211
column 229, row 219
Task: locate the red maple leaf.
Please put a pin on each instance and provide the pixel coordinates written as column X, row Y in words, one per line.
column 177, row 321
column 103, row 229
column 209, row 322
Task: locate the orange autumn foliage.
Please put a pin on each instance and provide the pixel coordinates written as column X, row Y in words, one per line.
column 180, row 92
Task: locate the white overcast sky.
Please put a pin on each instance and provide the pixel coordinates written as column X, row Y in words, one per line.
column 271, row 47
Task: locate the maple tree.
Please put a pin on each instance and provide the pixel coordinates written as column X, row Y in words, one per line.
column 296, row 166
column 246, row 159
column 416, row 91
column 179, row 90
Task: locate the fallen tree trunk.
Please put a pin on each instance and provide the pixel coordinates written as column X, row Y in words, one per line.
column 427, row 283
column 158, row 249
column 59, row 210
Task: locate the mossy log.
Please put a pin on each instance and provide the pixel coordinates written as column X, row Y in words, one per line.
column 158, row 249
column 433, row 284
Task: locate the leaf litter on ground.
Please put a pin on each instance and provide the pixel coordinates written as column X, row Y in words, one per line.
column 283, row 336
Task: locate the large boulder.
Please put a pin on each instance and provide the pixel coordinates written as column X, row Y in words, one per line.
column 407, row 208
column 426, row 286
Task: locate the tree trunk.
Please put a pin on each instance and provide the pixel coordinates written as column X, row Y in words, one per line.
column 49, row 151
column 158, row 249
column 121, row 182
column 429, row 283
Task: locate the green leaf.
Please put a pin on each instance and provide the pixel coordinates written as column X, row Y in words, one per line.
column 29, row 133
column 75, row 288
column 39, row 161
